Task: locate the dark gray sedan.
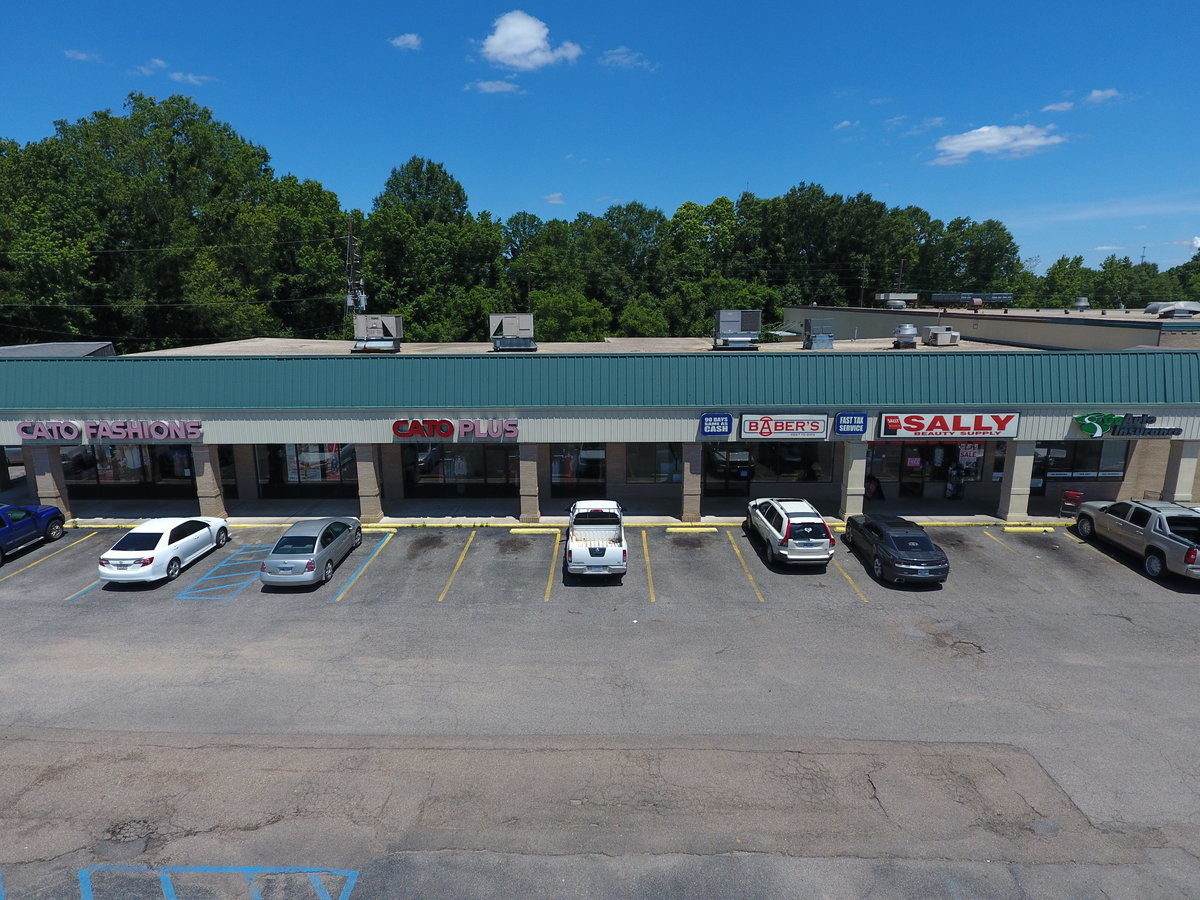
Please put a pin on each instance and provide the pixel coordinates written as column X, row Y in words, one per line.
column 896, row 549
column 308, row 552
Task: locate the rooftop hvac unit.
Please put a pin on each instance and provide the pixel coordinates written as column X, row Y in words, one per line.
column 904, row 337
column 737, row 329
column 511, row 331
column 940, row 335
column 377, row 334
column 818, row 334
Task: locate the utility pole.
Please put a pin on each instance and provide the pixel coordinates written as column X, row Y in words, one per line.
column 355, row 298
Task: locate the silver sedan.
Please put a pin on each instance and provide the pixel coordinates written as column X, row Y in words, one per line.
column 308, row 552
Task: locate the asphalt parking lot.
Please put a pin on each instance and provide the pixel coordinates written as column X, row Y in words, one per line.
column 1038, row 642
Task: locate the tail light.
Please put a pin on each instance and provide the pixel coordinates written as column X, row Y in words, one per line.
column 103, row 562
column 569, row 554
column 262, row 567
column 832, row 539
column 1190, row 556
column 624, row 557
column 310, row 566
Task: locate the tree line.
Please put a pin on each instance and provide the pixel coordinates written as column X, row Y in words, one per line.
column 162, row 227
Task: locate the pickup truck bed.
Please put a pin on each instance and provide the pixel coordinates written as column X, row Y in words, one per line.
column 596, row 539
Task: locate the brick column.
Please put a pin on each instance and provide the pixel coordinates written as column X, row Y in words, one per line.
column 1014, row 488
column 44, row 475
column 528, row 477
column 1180, row 476
column 370, row 507
column 853, row 466
column 245, row 472
column 207, row 471
column 693, row 481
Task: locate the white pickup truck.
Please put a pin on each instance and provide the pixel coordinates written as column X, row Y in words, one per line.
column 596, row 539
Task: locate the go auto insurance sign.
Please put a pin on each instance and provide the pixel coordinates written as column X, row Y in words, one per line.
column 931, row 426
column 782, row 428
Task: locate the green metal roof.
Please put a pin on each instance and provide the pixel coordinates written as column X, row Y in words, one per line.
column 590, row 381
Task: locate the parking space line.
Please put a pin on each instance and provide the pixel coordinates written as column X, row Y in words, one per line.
column 83, row 591
column 48, row 555
column 846, row 575
column 457, row 566
column 745, row 568
column 998, row 541
column 553, row 560
column 649, row 574
column 366, row 562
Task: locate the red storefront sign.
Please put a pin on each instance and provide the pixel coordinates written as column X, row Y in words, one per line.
column 933, row 426
column 465, row 429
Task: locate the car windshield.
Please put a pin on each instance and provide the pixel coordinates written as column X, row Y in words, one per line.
column 807, row 531
column 912, row 543
column 139, row 540
column 295, row 543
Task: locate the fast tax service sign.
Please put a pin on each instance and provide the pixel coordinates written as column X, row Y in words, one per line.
column 947, row 426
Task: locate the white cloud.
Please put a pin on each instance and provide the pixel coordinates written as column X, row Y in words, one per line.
column 519, row 41
column 189, row 78
column 155, row 65
column 995, row 140
column 624, row 58
column 1196, row 243
column 494, row 87
column 1064, row 106
column 556, row 198
column 1101, row 96
column 1108, row 248
column 81, row 56
column 845, row 123
column 406, row 42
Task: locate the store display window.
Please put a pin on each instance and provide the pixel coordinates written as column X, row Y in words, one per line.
column 306, row 470
column 129, row 470
column 653, row 463
column 477, row 470
column 578, row 470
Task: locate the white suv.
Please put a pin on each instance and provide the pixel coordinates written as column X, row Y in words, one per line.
column 792, row 530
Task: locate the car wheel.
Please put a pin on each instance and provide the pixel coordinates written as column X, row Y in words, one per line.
column 328, row 572
column 877, row 568
column 357, row 538
column 847, row 537
column 54, row 530
column 1154, row 565
column 173, row 568
column 222, row 537
column 1084, row 528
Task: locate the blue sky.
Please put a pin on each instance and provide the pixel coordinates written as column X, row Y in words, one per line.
column 1074, row 124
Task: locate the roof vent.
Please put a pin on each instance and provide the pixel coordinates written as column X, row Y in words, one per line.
column 1080, row 304
column 377, row 334
column 818, row 334
column 511, row 331
column 737, row 329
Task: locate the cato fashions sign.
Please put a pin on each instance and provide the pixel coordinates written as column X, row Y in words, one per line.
column 782, row 428
column 933, row 426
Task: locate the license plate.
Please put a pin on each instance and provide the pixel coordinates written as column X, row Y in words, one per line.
column 922, row 571
column 596, row 570
column 285, row 570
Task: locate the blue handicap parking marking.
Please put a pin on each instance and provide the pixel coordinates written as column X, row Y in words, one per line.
column 238, row 571
column 111, row 882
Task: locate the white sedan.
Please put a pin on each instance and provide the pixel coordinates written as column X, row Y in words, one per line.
column 159, row 549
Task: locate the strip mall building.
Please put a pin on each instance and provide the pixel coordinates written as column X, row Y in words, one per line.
column 946, row 430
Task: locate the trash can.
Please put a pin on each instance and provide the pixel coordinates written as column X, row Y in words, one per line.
column 1068, row 503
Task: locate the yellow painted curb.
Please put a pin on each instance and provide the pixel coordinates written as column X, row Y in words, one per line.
column 543, row 530
column 691, row 529
column 1029, row 529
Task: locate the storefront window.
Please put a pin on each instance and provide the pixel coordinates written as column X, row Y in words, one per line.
column 577, row 470
column 477, row 470
column 794, row 460
column 129, row 470
column 1080, row 460
column 914, row 465
column 653, row 463
column 306, row 470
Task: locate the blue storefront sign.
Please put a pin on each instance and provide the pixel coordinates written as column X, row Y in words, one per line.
column 716, row 424
column 850, row 423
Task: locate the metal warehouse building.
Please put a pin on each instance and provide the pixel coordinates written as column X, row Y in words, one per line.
column 688, row 434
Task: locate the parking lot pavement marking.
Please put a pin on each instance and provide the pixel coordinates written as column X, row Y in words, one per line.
column 998, row 541
column 217, row 584
column 691, row 529
column 366, row 562
column 48, row 555
column 649, row 574
column 457, row 566
column 846, row 575
column 252, row 876
column 553, row 560
column 80, row 592
column 745, row 568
